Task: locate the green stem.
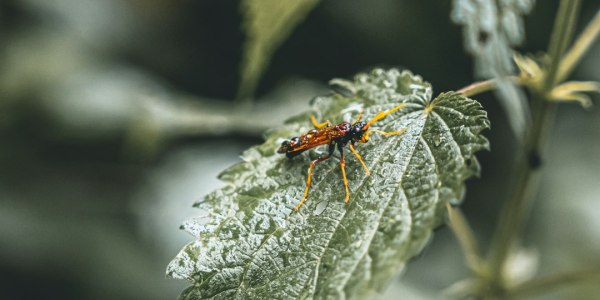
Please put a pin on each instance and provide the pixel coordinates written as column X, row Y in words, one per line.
column 583, row 43
column 560, row 39
column 484, row 86
column 478, row 88
column 466, row 238
column 527, row 173
column 543, row 284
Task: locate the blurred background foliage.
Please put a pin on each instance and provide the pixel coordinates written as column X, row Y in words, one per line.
column 115, row 116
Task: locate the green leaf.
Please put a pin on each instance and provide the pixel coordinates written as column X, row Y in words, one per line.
column 573, row 91
column 249, row 244
column 491, row 29
column 267, row 23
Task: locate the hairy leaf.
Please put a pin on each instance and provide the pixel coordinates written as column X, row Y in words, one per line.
column 491, row 28
column 249, row 243
column 267, row 23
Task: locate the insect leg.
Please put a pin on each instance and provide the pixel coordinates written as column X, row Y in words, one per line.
column 317, row 124
column 359, row 158
column 308, row 178
column 343, row 166
column 365, row 136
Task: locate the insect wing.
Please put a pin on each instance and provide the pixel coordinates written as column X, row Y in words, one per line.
column 314, row 138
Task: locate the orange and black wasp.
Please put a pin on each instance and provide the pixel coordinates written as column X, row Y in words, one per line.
column 335, row 136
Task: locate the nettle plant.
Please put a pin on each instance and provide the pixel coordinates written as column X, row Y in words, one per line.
column 250, row 243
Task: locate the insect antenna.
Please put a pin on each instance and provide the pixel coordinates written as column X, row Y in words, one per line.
column 382, row 115
column 378, row 117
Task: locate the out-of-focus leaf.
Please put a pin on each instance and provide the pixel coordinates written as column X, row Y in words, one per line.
column 491, row 28
column 572, row 91
column 532, row 75
column 267, row 23
column 249, row 244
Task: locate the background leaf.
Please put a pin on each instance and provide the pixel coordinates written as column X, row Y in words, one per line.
column 267, row 23
column 491, row 29
column 250, row 245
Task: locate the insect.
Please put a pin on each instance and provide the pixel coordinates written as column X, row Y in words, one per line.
column 335, row 136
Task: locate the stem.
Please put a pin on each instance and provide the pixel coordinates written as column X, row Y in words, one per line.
column 158, row 120
column 582, row 44
column 466, row 239
column 527, row 174
column 543, row 284
column 478, row 88
column 561, row 36
column 484, row 86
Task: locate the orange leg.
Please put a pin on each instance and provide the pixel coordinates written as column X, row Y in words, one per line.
column 365, row 136
column 312, row 165
column 343, row 165
column 317, row 124
column 359, row 159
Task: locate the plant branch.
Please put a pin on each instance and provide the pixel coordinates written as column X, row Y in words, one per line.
column 528, row 162
column 466, row 239
column 484, row 86
column 159, row 120
column 543, row 284
column 580, row 47
column 561, row 36
column 478, row 88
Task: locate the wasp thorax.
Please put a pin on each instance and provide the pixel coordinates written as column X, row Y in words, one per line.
column 358, row 127
column 357, row 131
